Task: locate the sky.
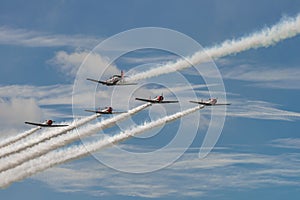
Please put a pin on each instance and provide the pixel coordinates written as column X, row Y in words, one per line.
column 49, row 48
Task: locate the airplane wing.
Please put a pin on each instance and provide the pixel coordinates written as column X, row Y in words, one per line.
column 93, row 111
column 146, row 100
column 122, row 83
column 155, row 101
column 45, row 125
column 209, row 104
column 201, row 103
column 97, row 81
column 58, row 125
column 35, row 124
column 100, row 112
column 169, row 102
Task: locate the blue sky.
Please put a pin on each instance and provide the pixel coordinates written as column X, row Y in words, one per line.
column 43, row 43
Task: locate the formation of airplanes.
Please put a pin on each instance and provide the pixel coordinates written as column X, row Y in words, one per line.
column 116, row 80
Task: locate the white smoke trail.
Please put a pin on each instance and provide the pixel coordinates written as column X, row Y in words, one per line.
column 62, row 140
column 58, row 157
column 18, row 137
column 270, row 36
column 20, row 146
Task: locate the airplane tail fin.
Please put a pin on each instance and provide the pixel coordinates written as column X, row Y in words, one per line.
column 122, row 74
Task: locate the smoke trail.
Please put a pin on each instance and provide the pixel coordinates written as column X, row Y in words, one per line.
column 62, row 140
column 270, row 36
column 18, row 137
column 58, row 157
column 43, row 137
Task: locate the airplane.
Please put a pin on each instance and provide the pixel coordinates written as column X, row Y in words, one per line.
column 113, row 80
column 106, row 110
column 157, row 99
column 47, row 123
column 210, row 102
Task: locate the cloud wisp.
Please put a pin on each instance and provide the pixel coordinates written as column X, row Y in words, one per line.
column 265, row 77
column 219, row 171
column 287, row 143
column 14, row 113
column 23, row 37
column 260, row 110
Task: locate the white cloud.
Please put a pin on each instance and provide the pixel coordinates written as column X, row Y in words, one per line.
column 21, row 103
column 259, row 110
column 263, row 74
column 267, row 77
column 291, row 143
column 187, row 177
column 30, row 38
column 15, row 111
column 44, row 95
column 68, row 63
column 90, row 64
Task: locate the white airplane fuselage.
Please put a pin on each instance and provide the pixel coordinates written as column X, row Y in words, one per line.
column 211, row 101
